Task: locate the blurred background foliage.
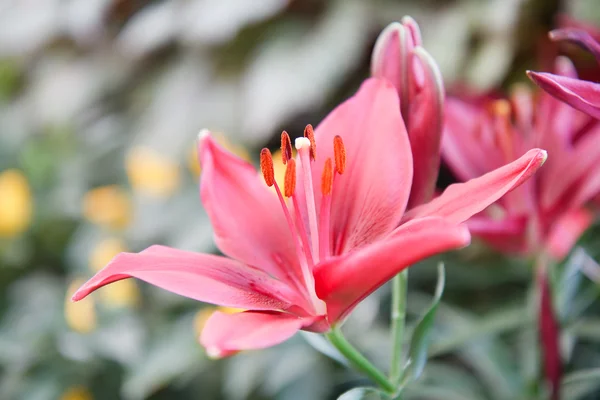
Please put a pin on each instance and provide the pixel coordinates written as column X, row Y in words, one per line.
column 100, row 104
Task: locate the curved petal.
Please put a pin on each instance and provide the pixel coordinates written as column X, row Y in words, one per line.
column 225, row 334
column 566, row 230
column 202, row 277
column 506, row 235
column 246, row 216
column 369, row 199
column 345, row 280
column 582, row 95
column 425, row 116
column 466, row 144
column 462, row 200
column 578, row 36
column 574, row 168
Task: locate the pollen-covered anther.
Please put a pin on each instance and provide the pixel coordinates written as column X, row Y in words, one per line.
column 339, row 154
column 327, row 177
column 290, row 178
column 266, row 166
column 286, row 147
column 309, row 133
column 501, row 108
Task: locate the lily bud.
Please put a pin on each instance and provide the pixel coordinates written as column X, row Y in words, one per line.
column 399, row 58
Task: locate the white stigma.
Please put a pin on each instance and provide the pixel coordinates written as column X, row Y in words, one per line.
column 301, row 143
column 204, row 133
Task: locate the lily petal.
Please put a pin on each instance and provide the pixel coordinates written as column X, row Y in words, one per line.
column 225, row 334
column 566, row 230
column 464, row 142
column 344, row 281
column 369, row 199
column 574, row 168
column 202, row 277
column 389, row 58
column 507, row 235
column 425, row 116
column 460, row 201
column 582, row 95
column 246, row 216
column 577, row 36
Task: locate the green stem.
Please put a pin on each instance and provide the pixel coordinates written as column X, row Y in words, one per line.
column 398, row 317
column 357, row 360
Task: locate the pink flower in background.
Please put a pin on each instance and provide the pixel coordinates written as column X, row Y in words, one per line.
column 583, row 95
column 304, row 256
column 547, row 213
column 399, row 58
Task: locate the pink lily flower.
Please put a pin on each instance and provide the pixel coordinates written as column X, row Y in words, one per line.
column 583, row 95
column 546, row 214
column 399, row 57
column 303, row 256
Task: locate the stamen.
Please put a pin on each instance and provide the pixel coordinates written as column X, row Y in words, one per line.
column 290, row 178
column 327, row 178
column 503, row 127
column 325, row 212
column 339, row 153
column 303, row 146
column 286, row 147
column 266, row 166
column 309, row 133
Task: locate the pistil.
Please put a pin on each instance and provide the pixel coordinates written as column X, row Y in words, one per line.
column 303, row 145
column 308, row 286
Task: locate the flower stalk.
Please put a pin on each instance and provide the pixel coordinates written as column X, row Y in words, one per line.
column 357, row 360
column 398, row 319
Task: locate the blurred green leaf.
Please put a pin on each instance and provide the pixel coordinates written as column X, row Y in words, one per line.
column 419, row 342
column 363, row 393
column 581, row 383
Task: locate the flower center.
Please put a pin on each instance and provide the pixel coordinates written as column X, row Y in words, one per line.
column 309, row 228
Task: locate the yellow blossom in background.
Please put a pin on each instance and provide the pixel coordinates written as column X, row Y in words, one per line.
column 104, row 251
column 124, row 293
column 203, row 315
column 15, row 203
column 108, row 206
column 240, row 151
column 151, row 173
column 80, row 316
column 76, row 393
column 279, row 168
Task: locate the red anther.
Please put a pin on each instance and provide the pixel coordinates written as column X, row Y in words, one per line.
column 339, row 153
column 286, row 147
column 309, row 133
column 266, row 166
column 327, row 178
column 290, row 178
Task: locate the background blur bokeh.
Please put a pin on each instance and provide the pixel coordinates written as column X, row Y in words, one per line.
column 100, row 105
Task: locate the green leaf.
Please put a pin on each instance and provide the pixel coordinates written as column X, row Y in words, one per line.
column 364, row 393
column 580, row 383
column 419, row 343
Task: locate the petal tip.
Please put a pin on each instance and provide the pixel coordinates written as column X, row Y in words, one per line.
column 214, row 353
column 465, row 236
column 78, row 295
column 543, row 155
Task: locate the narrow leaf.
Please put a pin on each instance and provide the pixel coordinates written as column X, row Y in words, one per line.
column 419, row 343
